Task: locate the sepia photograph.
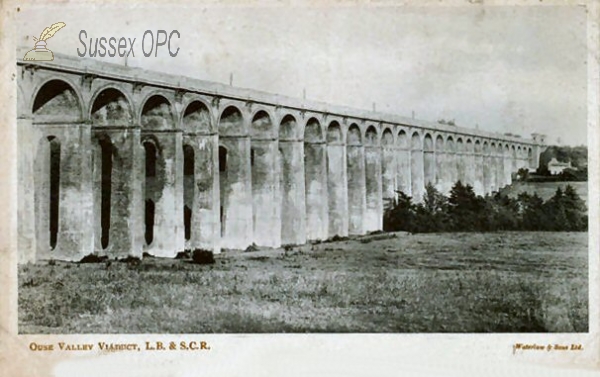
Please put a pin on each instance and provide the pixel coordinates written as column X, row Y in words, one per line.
column 164, row 201
column 347, row 169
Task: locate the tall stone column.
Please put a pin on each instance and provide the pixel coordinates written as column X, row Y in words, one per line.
column 388, row 166
column 28, row 139
column 428, row 161
column 507, row 166
column 499, row 167
column 440, row 175
column 337, row 189
column 265, row 185
column 479, row 186
column 164, row 190
column 416, row 169
column 487, row 171
column 121, row 234
column 450, row 172
column 374, row 215
column 403, row 165
column 469, row 158
column 317, row 206
column 205, row 226
column 236, row 193
column 357, row 196
column 293, row 204
column 75, row 235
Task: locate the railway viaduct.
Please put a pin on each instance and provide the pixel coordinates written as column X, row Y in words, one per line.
column 119, row 161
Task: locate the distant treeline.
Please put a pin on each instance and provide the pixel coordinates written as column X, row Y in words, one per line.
column 463, row 211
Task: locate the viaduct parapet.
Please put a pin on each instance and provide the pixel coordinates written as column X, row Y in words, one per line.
column 120, row 161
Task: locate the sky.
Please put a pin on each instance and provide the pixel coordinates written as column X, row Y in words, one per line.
column 496, row 68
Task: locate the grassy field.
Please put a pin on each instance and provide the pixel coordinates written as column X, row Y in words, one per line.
column 545, row 189
column 457, row 282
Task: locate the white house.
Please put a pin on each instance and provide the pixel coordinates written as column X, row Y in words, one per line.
column 556, row 167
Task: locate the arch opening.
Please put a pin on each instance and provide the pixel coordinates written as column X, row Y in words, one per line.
column 334, row 132
column 196, row 118
column 106, row 150
column 111, row 107
column 223, row 181
column 54, row 199
column 151, row 156
column 287, row 128
column 261, row 124
column 231, row 122
column 188, row 189
column 313, row 133
column 157, row 113
column 353, row 137
column 56, row 101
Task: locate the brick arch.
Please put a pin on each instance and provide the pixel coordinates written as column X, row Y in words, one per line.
column 415, row 141
column 450, row 146
column 56, row 100
column 469, row 148
column 313, row 131
column 262, row 124
column 196, row 117
column 402, row 139
column 288, row 128
column 371, row 136
column 231, row 121
column 428, row 142
column 157, row 113
column 334, row 132
column 439, row 143
column 387, row 137
column 111, row 106
column 354, row 136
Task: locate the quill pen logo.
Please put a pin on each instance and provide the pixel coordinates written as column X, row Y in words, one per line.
column 40, row 52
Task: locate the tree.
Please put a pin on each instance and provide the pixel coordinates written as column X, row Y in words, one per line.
column 399, row 213
column 575, row 210
column 522, row 174
column 532, row 211
column 463, row 207
column 431, row 214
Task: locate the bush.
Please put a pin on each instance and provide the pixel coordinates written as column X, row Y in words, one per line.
column 200, row 256
column 186, row 254
column 252, row 247
column 93, row 258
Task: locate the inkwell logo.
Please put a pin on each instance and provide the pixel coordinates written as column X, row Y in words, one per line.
column 40, row 52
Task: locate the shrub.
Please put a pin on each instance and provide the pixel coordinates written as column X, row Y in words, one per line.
column 252, row 247
column 93, row 258
column 186, row 254
column 200, row 256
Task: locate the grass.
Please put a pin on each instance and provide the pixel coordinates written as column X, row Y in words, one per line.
column 456, row 282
